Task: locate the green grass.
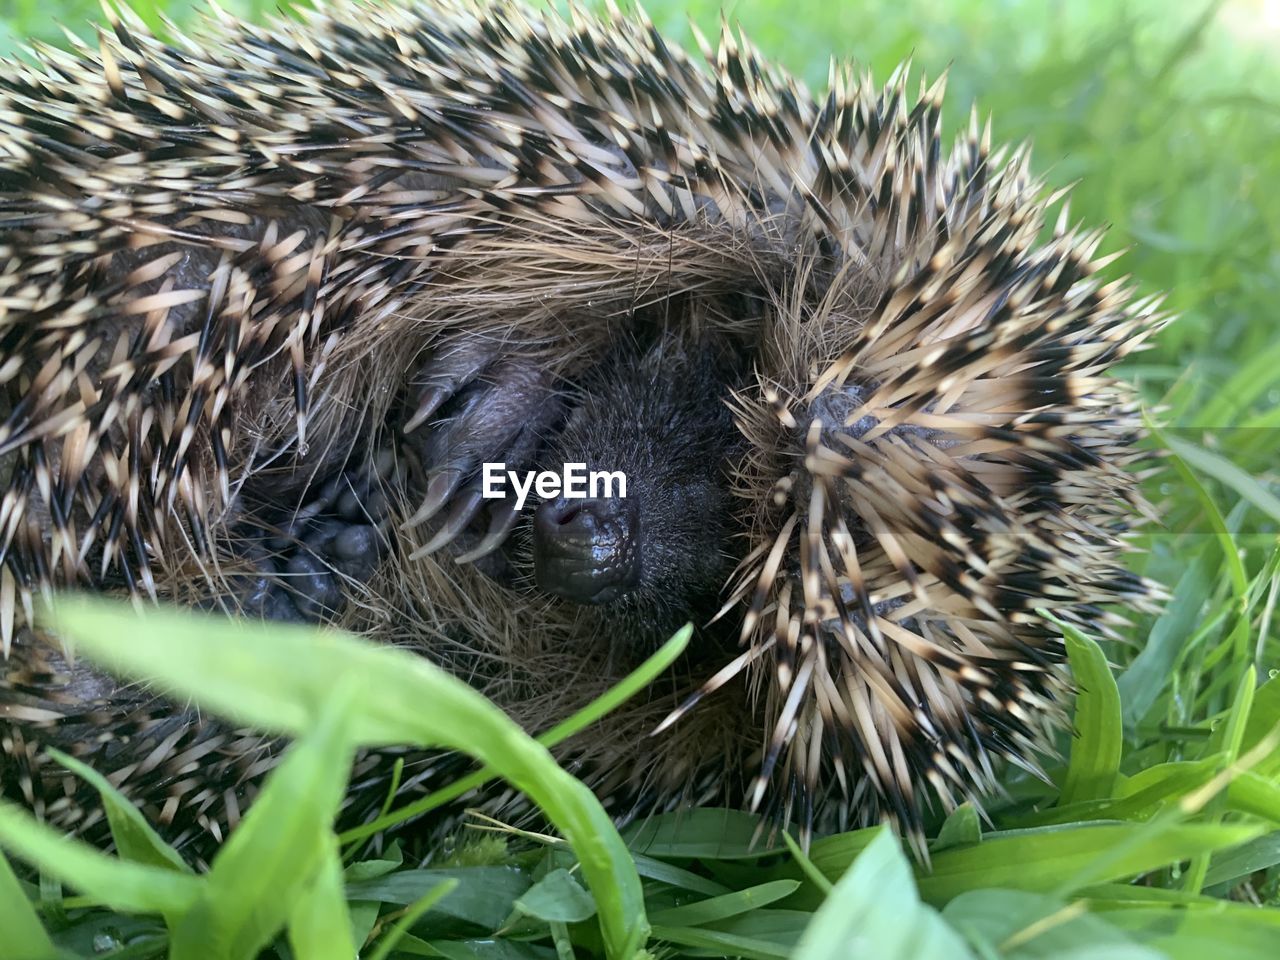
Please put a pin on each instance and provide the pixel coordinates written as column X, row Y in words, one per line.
column 1160, row 836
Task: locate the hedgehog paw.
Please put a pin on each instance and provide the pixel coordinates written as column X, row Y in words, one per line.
column 475, row 408
column 297, row 566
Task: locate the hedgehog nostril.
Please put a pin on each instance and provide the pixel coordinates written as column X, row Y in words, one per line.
column 562, row 518
column 586, row 550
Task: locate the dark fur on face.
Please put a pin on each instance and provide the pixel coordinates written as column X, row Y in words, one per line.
column 659, row 558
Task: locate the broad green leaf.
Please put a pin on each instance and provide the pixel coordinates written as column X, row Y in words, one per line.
column 834, row 855
column 705, row 832
column 961, row 827
column 720, row 908
column 1016, row 925
column 1259, row 854
column 1096, row 746
column 484, row 896
column 319, row 925
column 1136, row 798
column 1042, row 860
column 363, row 915
column 135, row 839
column 1128, row 894
column 101, row 934
column 495, row 949
column 1154, row 781
column 667, row 873
column 717, row 943
column 557, row 897
column 1250, row 793
column 875, row 911
column 1219, row 930
column 762, row 934
column 23, row 937
column 372, row 869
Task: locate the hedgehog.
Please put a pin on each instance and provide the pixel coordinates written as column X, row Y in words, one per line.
column 272, row 297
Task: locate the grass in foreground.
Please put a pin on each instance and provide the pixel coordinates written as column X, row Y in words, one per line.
column 1054, row 875
column 1160, row 835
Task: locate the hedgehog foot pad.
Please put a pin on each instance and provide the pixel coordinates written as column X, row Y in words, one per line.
column 298, row 565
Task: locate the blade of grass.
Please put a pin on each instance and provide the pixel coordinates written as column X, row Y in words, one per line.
column 1098, row 739
column 729, row 905
column 411, row 916
column 272, row 859
column 1060, row 859
column 639, row 679
column 319, row 922
column 119, row 884
column 24, row 934
column 135, row 839
column 807, row 866
column 1225, row 472
column 1239, row 636
column 1226, row 741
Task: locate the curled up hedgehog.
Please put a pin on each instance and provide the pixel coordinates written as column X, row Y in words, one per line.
column 271, row 299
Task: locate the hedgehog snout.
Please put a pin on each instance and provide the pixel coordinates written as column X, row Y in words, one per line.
column 586, row 549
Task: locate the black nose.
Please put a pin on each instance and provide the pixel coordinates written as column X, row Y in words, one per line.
column 586, row 549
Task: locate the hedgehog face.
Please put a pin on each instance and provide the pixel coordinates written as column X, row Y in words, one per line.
column 657, row 558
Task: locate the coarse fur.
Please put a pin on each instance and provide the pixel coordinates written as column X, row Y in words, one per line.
column 234, row 267
column 659, row 416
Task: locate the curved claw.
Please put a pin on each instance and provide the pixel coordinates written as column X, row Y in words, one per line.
column 503, row 518
column 439, row 489
column 429, row 402
column 451, row 370
column 464, row 509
